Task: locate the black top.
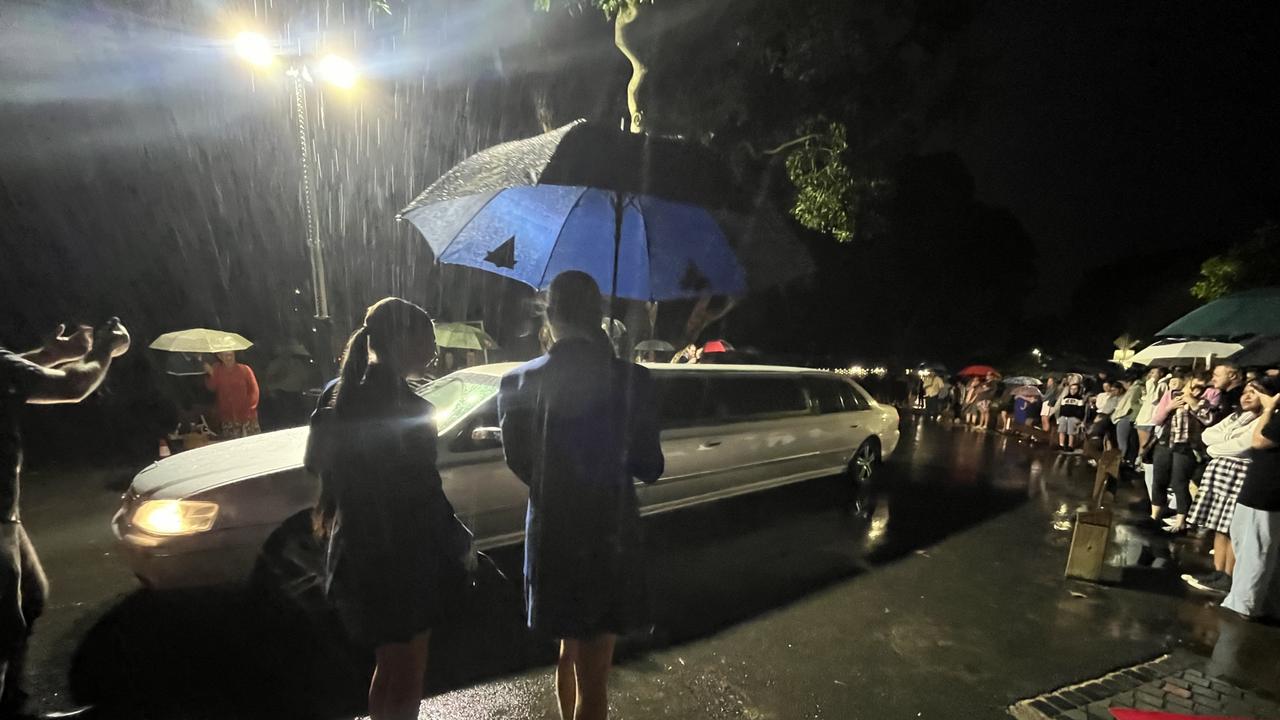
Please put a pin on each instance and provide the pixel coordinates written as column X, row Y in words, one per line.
column 1261, row 489
column 1228, row 403
column 1071, row 406
column 395, row 548
column 17, row 379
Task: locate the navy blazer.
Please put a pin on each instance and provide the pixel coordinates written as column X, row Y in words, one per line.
column 579, row 427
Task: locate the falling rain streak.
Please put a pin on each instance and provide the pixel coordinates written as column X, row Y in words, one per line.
column 215, row 229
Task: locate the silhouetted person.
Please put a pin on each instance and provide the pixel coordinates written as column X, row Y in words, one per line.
column 394, row 561
column 66, row 369
column 580, row 427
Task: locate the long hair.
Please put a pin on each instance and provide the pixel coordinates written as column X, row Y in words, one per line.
column 386, row 323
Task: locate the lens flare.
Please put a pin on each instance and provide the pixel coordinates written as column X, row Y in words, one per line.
column 337, row 71
column 255, row 48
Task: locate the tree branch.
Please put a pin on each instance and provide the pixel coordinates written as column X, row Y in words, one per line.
column 627, row 14
column 792, row 143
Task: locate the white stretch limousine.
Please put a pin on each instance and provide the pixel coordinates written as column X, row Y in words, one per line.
column 201, row 517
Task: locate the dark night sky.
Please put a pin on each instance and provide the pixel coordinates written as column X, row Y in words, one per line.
column 1109, row 129
column 1115, row 128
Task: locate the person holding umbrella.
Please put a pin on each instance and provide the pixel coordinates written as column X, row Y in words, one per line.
column 235, row 389
column 579, row 427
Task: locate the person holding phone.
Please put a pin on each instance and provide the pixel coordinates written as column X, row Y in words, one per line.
column 64, row 369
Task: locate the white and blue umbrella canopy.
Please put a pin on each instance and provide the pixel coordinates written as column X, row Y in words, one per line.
column 533, row 208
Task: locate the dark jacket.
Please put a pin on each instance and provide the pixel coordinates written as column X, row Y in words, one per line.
column 579, row 427
column 395, row 548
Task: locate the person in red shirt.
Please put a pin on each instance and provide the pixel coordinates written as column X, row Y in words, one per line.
column 236, row 390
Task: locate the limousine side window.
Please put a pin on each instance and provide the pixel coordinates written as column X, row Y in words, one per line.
column 682, row 401
column 825, row 394
column 750, row 396
column 851, row 398
column 833, row 395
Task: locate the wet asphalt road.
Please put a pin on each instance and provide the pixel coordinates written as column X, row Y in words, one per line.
column 949, row 603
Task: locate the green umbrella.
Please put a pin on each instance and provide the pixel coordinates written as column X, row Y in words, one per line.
column 1253, row 312
column 463, row 336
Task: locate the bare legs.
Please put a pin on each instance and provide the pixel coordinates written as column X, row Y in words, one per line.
column 396, row 690
column 1224, row 556
column 582, row 677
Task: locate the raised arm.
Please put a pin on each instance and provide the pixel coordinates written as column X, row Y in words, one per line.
column 59, row 348
column 75, row 381
column 1265, row 431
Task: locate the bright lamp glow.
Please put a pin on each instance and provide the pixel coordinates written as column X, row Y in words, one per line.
column 337, row 71
column 175, row 517
column 255, row 48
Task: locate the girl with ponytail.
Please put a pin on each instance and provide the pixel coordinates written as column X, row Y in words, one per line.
column 394, row 550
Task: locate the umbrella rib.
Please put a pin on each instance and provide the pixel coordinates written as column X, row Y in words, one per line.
column 542, row 281
column 648, row 246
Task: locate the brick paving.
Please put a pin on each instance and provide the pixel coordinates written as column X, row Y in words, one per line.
column 1173, row 683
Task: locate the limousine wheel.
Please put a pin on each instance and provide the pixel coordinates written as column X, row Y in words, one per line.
column 862, row 470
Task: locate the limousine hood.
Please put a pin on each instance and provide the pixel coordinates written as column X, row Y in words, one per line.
column 208, row 467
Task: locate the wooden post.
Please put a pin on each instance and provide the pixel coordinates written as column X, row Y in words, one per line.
column 1089, row 545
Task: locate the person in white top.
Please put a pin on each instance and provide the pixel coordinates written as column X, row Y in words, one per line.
column 1157, row 384
column 1228, row 444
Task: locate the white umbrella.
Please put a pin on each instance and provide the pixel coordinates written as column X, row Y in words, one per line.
column 1189, row 350
column 201, row 340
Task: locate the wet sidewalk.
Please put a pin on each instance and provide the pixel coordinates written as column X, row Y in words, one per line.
column 944, row 618
column 950, row 604
column 1180, row 683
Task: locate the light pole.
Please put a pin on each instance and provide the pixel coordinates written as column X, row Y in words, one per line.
column 257, row 50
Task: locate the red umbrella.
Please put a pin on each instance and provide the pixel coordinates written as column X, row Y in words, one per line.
column 978, row 370
column 717, row 346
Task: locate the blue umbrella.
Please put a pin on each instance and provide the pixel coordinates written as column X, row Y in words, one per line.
column 666, row 249
column 648, row 218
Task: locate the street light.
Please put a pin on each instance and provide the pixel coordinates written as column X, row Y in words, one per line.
column 258, row 50
column 337, row 71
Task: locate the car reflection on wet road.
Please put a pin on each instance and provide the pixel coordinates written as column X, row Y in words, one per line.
column 949, row 602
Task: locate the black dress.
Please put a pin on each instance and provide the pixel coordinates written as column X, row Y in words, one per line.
column 394, row 561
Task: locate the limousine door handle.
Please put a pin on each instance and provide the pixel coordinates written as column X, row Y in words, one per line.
column 854, row 426
column 709, row 444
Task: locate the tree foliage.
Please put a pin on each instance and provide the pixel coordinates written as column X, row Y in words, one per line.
column 1249, row 264
column 610, row 8
column 841, row 90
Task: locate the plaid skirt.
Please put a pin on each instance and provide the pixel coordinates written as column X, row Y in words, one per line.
column 1219, row 488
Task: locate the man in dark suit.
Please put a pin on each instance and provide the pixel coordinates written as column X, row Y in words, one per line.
column 579, row 427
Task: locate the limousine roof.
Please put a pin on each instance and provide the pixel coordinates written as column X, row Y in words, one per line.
column 500, row 369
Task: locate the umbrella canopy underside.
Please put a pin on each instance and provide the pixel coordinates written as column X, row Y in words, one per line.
column 1189, row 351
column 668, row 250
column 1253, row 312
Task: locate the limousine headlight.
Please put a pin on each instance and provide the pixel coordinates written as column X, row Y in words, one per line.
column 175, row 517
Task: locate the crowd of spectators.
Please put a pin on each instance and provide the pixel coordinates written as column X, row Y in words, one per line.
column 1205, row 444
